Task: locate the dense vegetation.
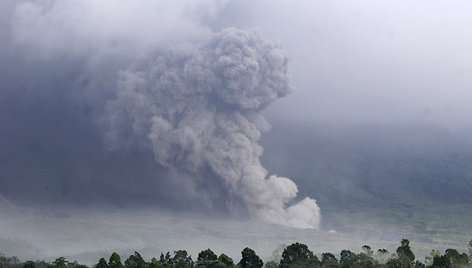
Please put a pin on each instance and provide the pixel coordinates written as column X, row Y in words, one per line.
column 296, row 255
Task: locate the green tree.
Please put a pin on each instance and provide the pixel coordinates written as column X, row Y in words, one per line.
column 366, row 258
column 226, row 260
column 328, row 260
column 464, row 260
column 348, row 258
column 154, row 263
column 60, row 262
column 75, row 264
column 457, row 260
column 207, row 255
column 453, row 256
column 102, row 263
column 135, row 261
column 29, row 264
column 207, row 259
column 165, row 261
column 250, row 259
column 298, row 255
column 441, row 262
column 115, row 261
column 181, row 259
column 405, row 255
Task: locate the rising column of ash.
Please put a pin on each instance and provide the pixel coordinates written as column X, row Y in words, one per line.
column 200, row 108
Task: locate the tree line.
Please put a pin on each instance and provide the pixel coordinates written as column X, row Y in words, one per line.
column 296, row 255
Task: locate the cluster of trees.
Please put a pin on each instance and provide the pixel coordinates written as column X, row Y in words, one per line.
column 61, row 262
column 181, row 259
column 296, row 255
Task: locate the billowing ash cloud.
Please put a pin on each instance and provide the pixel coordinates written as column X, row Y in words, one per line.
column 148, row 77
column 199, row 110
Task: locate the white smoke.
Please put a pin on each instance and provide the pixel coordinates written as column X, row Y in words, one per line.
column 201, row 108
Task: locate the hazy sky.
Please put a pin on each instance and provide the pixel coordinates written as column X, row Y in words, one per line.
column 370, row 61
column 388, row 63
column 87, row 119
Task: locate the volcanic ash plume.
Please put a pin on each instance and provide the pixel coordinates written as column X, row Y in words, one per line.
column 200, row 109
